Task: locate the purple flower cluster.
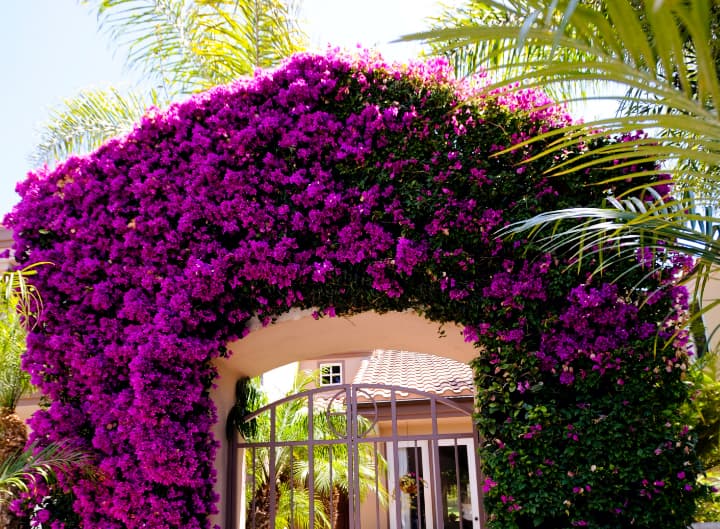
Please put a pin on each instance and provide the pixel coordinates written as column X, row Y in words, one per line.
column 335, row 182
column 598, row 325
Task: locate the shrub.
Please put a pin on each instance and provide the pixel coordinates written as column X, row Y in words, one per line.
column 346, row 185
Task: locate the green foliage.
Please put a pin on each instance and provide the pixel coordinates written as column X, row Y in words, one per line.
column 706, row 417
column 249, row 397
column 707, row 407
column 613, row 451
column 34, row 465
column 14, row 381
column 19, row 305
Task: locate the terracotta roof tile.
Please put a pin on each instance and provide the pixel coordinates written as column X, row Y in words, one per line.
column 425, row 372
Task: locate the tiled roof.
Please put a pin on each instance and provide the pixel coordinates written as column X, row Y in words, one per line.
column 421, row 371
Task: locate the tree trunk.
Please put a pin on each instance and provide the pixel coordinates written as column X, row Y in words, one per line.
column 258, row 516
column 13, row 437
column 13, row 433
column 340, row 509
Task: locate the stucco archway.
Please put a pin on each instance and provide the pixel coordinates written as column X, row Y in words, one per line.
column 352, row 186
column 297, row 335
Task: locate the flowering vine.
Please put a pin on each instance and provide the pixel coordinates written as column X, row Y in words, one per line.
column 342, row 184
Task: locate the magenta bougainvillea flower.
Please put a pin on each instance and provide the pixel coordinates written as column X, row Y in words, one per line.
column 344, row 184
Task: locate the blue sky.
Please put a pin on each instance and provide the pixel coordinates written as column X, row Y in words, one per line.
column 52, row 49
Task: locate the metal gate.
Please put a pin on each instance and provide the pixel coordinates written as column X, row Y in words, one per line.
column 357, row 457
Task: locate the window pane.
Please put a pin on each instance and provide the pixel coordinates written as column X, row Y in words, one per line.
column 330, row 374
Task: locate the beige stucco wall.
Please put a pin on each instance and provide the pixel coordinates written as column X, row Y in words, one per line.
column 712, row 317
column 27, row 406
column 297, row 336
column 446, row 425
column 352, row 362
column 6, row 242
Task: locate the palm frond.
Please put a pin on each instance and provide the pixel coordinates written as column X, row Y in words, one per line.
column 87, row 120
column 293, row 508
column 20, row 306
column 14, row 381
column 450, row 36
column 189, row 45
column 15, row 289
column 33, row 465
column 663, row 53
column 158, row 34
column 630, row 224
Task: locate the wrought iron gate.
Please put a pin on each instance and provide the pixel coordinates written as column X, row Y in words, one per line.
column 356, row 457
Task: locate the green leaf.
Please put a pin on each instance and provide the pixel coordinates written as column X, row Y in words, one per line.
column 190, row 45
column 89, row 119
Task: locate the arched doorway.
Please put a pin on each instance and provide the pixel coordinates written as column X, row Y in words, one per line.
column 297, row 336
column 346, row 186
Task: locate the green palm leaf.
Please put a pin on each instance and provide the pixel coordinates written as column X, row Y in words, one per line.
column 14, row 381
column 622, row 229
column 190, row 45
column 453, row 35
column 20, row 305
column 33, row 465
column 87, row 120
column 294, row 507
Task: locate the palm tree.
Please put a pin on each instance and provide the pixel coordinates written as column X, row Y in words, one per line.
column 179, row 47
column 24, row 468
column 290, row 471
column 661, row 58
column 19, row 304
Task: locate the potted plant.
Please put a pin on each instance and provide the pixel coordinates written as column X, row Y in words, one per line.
column 409, row 483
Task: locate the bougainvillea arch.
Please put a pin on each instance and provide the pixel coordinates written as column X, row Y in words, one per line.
column 345, row 185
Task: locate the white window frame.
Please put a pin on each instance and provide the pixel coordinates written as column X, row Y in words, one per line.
column 428, row 451
column 332, row 374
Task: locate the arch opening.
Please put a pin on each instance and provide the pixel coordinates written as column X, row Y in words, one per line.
column 297, row 335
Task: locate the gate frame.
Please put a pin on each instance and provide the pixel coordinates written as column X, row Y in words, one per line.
column 352, row 438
